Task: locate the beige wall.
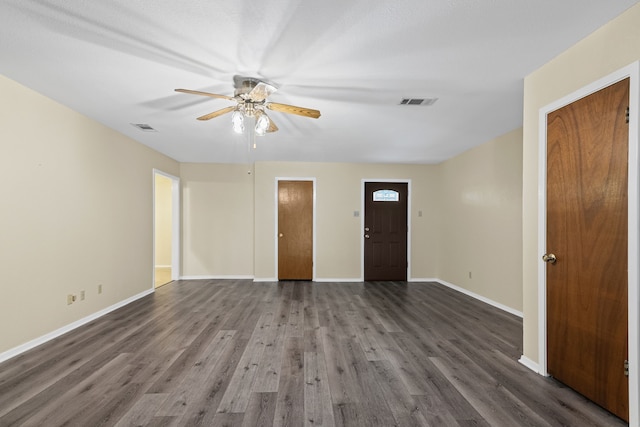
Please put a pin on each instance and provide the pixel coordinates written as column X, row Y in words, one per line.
column 217, row 219
column 76, row 212
column 81, row 215
column 470, row 205
column 338, row 234
column 610, row 48
column 163, row 226
column 481, row 221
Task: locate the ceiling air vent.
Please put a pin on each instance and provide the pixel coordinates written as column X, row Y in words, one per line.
column 144, row 127
column 418, row 101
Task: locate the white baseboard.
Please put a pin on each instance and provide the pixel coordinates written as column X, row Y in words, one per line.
column 418, row 279
column 218, row 277
column 529, row 364
column 479, row 297
column 265, row 279
column 329, row 280
column 68, row 328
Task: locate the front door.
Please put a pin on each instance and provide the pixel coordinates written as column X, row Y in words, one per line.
column 587, row 146
column 385, row 230
column 295, row 230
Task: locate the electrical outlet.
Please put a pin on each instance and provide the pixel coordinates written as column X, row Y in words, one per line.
column 71, row 299
column 81, row 295
column 99, row 289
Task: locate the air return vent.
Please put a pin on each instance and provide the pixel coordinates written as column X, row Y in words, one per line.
column 144, row 127
column 418, row 101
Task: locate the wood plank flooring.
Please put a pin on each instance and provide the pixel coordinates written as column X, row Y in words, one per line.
column 238, row 353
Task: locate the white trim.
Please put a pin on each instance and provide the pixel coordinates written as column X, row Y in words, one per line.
column 265, row 279
column 420, row 279
column 276, row 238
column 524, row 360
column 362, row 217
column 633, row 73
column 338, row 280
column 480, row 298
column 70, row 327
column 175, row 224
column 633, row 278
column 217, row 277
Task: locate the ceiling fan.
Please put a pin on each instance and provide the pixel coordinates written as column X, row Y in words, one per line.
column 251, row 102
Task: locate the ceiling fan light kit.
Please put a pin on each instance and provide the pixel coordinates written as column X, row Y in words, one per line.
column 251, row 97
column 237, row 119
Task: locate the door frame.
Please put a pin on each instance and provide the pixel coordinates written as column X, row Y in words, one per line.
column 362, row 200
column 275, row 234
column 175, row 225
column 633, row 73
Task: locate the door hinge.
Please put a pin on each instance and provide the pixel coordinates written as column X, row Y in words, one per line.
column 626, row 115
column 626, row 368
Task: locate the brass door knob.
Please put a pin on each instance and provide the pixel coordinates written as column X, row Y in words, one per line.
column 280, row 235
column 550, row 258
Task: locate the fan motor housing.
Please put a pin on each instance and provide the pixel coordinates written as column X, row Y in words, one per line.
column 244, row 85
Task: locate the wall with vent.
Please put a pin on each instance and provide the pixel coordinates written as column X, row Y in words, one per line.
column 77, row 212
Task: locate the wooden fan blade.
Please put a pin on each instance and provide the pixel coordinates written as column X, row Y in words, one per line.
column 217, row 113
column 261, row 91
column 291, row 109
column 212, row 95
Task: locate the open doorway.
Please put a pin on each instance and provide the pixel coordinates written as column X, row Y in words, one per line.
column 165, row 228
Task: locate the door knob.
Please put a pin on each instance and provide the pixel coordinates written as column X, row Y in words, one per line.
column 280, row 235
column 366, row 229
column 550, row 258
column 366, row 236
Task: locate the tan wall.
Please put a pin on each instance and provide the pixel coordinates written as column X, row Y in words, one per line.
column 481, row 221
column 338, row 234
column 217, row 219
column 81, row 215
column 477, row 194
column 163, row 214
column 76, row 212
column 610, row 48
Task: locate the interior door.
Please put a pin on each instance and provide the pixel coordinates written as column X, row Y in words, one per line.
column 295, row 230
column 587, row 158
column 385, row 232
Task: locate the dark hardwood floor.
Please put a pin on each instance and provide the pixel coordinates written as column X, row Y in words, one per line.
column 238, row 353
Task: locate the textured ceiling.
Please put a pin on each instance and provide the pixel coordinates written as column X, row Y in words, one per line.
column 118, row 62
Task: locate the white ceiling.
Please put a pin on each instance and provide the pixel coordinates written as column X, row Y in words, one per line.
column 118, row 62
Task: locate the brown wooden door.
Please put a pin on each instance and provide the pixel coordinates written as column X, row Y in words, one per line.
column 385, row 243
column 587, row 145
column 295, row 230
